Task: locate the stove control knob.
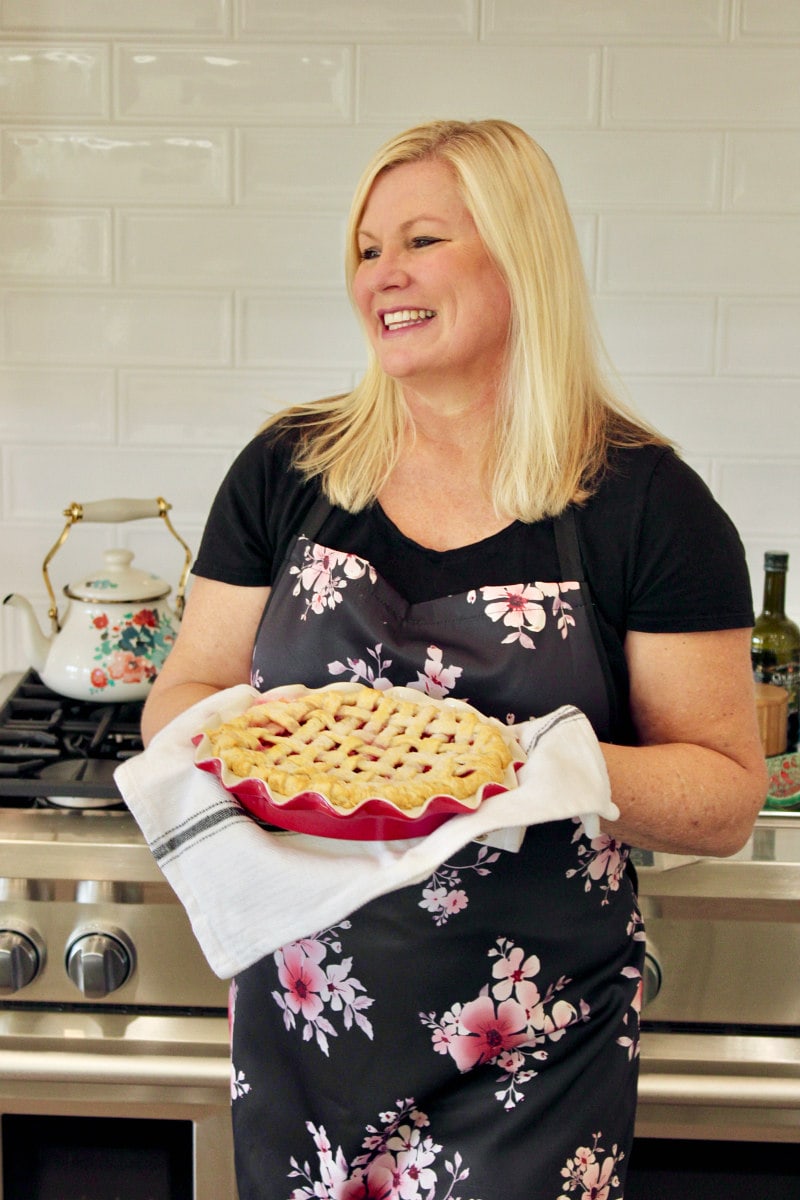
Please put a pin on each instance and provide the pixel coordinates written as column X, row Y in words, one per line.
column 21, row 958
column 100, row 961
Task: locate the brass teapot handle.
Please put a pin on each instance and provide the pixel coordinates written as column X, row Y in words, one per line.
column 113, row 512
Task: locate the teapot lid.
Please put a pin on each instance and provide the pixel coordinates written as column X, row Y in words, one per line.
column 117, row 582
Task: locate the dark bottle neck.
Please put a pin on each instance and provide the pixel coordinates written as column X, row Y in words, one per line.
column 775, row 593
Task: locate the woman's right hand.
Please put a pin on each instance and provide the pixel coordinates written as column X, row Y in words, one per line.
column 212, row 651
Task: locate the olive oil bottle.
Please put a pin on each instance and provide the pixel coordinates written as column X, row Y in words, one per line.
column 775, row 644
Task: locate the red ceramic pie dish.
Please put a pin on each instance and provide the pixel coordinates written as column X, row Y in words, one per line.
column 374, row 819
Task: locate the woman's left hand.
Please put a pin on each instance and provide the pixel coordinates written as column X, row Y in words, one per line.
column 697, row 779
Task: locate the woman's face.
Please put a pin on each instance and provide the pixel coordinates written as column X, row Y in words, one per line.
column 434, row 304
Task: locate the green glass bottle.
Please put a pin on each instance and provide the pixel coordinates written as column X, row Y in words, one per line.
column 775, row 644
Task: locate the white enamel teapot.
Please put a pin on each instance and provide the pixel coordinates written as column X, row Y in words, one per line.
column 117, row 628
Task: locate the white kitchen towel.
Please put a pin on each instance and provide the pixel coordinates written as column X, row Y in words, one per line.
column 248, row 890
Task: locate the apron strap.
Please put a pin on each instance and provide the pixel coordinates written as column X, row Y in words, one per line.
column 309, row 527
column 571, row 566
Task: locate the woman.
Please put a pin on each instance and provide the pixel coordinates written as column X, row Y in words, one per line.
column 481, row 518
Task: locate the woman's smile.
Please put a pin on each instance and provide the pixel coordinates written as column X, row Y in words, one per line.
column 406, row 318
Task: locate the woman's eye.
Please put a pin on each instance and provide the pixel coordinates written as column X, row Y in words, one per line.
column 425, row 241
column 369, row 252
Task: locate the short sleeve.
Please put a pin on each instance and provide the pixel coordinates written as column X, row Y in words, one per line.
column 690, row 567
column 259, row 504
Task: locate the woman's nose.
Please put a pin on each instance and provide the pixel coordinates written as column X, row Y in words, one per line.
column 389, row 271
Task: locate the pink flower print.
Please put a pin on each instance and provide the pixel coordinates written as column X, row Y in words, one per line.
column 630, row 1041
column 362, row 671
column 127, row 667
column 376, row 1182
column 514, row 977
column 314, row 992
column 438, row 680
column 340, row 986
column 445, row 1033
column 607, row 859
column 587, row 1176
column 508, row 1027
column 397, row 1165
column 433, row 899
column 317, row 577
column 561, row 1017
column 488, row 1033
column 414, row 1155
column 602, row 861
column 303, row 981
column 455, row 901
column 597, row 1179
column 560, row 609
column 517, row 607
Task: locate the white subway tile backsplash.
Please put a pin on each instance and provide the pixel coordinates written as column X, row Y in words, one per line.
column 64, row 81
column 305, row 170
column 353, row 20
column 116, row 163
column 656, row 169
column 719, row 417
column 24, row 544
column 670, row 85
column 777, row 19
column 657, row 337
column 312, row 330
column 760, row 338
column 97, row 328
column 212, row 408
column 215, row 248
column 555, row 86
column 73, row 405
column 761, row 495
column 688, row 20
column 251, row 84
column 116, row 16
column 40, row 481
column 55, row 247
column 724, row 255
column 764, row 172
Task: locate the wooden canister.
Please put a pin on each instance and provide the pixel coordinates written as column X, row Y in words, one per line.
column 772, row 704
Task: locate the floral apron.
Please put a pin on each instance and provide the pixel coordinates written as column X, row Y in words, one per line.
column 473, row 1037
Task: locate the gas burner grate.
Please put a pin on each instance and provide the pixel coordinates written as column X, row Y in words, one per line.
column 53, row 746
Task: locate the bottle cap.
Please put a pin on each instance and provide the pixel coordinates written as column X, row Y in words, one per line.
column 776, row 560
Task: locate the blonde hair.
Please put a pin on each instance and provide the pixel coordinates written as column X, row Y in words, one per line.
column 556, row 414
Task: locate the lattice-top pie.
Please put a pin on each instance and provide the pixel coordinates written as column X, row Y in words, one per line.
column 353, row 744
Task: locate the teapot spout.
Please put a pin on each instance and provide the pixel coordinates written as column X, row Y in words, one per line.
column 37, row 646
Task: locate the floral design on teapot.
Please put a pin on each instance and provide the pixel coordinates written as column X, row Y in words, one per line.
column 131, row 650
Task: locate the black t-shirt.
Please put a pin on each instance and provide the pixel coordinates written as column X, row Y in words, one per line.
column 659, row 553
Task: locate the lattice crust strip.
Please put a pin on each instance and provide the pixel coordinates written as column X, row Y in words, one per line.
column 358, row 743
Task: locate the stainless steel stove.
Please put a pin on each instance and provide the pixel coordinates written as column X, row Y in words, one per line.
column 720, row 1040
column 107, row 1006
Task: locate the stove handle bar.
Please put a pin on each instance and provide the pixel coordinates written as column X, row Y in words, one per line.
column 723, row 1091
column 113, row 512
column 153, row 1070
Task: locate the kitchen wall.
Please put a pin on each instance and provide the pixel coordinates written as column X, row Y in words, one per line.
column 174, row 178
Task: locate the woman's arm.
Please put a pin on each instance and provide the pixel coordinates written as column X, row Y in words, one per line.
column 698, row 778
column 212, row 651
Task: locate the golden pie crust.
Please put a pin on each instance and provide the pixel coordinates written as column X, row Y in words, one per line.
column 355, row 743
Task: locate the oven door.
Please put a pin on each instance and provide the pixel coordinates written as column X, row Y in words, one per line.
column 114, row 1104
column 718, row 1117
